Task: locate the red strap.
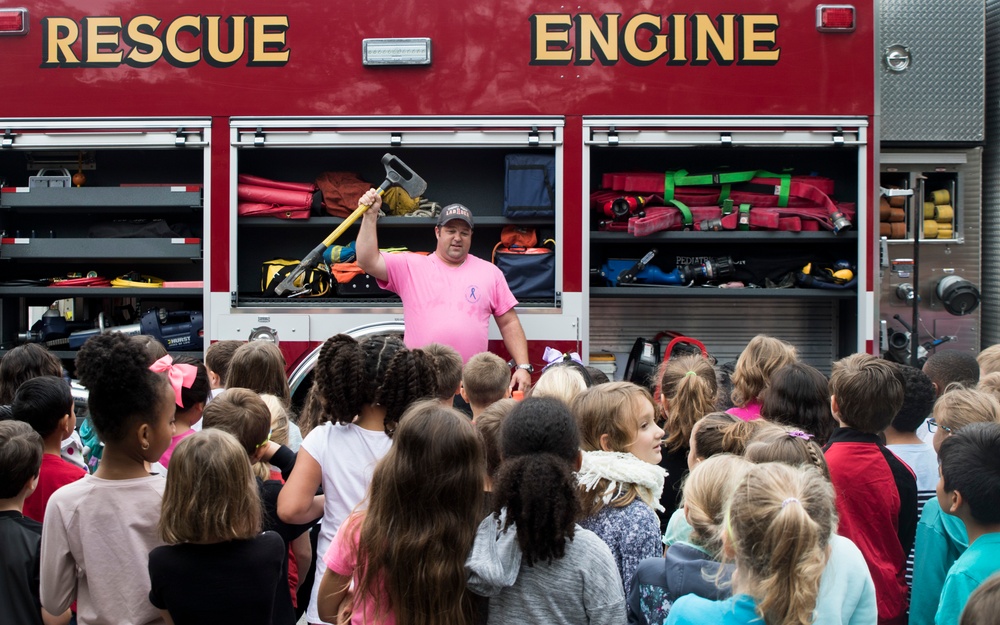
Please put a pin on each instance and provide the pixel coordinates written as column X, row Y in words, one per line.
column 98, row 281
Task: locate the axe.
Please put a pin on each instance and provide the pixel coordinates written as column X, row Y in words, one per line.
column 396, row 173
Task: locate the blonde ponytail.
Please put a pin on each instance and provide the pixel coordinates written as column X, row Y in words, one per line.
column 707, row 491
column 689, row 386
column 781, row 519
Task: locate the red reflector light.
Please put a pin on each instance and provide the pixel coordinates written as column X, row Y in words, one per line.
column 13, row 21
column 836, row 18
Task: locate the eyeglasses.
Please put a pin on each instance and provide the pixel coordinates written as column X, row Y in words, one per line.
column 933, row 425
column 268, row 439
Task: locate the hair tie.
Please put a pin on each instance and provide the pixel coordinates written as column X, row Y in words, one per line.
column 790, row 500
column 690, row 373
column 181, row 375
column 554, row 356
column 800, row 434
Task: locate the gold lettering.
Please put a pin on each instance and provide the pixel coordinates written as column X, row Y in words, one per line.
column 678, row 30
column 213, row 35
column 751, row 38
column 632, row 49
column 707, row 35
column 178, row 56
column 590, row 33
column 268, row 40
column 551, row 31
column 58, row 35
column 101, row 43
column 140, row 33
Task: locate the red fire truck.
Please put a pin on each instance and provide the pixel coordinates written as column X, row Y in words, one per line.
column 158, row 110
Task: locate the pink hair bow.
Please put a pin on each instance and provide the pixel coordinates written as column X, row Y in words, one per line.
column 181, row 375
column 554, row 356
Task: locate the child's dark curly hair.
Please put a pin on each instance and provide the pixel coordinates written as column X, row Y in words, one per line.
column 378, row 370
column 123, row 391
column 540, row 444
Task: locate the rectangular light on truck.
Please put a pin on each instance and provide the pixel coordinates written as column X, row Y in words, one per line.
column 835, row 18
column 13, row 21
column 401, row 51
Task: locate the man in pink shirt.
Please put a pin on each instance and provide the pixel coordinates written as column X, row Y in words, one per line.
column 450, row 295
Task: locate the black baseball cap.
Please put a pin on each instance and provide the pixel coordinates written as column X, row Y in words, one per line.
column 455, row 211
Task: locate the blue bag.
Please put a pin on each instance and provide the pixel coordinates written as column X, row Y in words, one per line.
column 529, row 185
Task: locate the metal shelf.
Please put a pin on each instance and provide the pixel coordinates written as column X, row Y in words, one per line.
column 108, row 249
column 101, row 197
column 716, row 292
column 727, row 237
column 65, row 292
column 391, row 222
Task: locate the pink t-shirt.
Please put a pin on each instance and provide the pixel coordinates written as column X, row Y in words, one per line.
column 165, row 458
column 748, row 413
column 341, row 558
column 445, row 304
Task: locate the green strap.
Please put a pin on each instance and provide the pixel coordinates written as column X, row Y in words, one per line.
column 668, row 186
column 784, row 189
column 727, row 207
column 685, row 214
column 744, row 221
column 681, row 177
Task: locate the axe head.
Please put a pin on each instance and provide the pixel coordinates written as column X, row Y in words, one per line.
column 397, row 173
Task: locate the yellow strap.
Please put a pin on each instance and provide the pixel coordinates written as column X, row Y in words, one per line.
column 145, row 282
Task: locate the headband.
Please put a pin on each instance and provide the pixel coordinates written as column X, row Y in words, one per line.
column 181, row 375
column 553, row 356
column 800, row 434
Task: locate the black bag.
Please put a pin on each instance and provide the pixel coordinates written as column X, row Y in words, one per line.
column 530, row 271
column 529, row 185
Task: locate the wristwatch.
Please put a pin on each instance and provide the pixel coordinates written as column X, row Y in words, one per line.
column 527, row 367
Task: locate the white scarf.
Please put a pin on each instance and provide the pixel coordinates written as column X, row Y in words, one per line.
column 622, row 470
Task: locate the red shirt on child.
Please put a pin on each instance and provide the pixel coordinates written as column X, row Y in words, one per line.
column 54, row 474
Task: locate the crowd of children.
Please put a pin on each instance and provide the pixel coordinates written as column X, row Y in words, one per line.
column 869, row 497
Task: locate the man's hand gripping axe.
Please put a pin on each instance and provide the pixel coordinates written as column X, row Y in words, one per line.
column 396, row 173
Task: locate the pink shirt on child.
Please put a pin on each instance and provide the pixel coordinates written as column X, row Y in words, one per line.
column 748, row 413
column 341, row 558
column 165, row 458
column 445, row 304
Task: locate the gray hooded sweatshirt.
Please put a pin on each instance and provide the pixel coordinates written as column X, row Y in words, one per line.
column 581, row 587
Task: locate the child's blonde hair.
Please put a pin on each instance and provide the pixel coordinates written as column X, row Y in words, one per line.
column 990, row 383
column 723, row 433
column 706, row 494
column 788, row 445
column 612, row 409
column 779, row 523
column 279, row 430
column 989, row 360
column 242, row 413
column 962, row 406
column 689, row 387
column 562, row 383
column 485, row 379
column 762, row 356
column 210, row 495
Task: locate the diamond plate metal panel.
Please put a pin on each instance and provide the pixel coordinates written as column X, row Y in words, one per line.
column 991, row 183
column 941, row 95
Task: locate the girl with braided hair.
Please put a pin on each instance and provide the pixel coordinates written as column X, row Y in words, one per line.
column 846, row 590
column 778, row 528
column 363, row 389
column 530, row 557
